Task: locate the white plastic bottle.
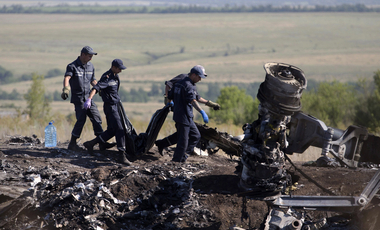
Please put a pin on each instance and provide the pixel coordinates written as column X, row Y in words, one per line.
column 50, row 135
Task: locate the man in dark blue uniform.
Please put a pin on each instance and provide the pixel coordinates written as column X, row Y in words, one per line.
column 79, row 79
column 109, row 85
column 172, row 139
column 185, row 96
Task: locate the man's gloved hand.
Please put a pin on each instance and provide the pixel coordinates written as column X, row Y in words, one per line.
column 214, row 105
column 171, row 104
column 166, row 100
column 65, row 92
column 204, row 115
column 87, row 104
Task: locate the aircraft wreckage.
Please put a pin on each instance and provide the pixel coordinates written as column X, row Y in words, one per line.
column 280, row 130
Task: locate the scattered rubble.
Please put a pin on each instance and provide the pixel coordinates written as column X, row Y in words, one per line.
column 53, row 188
column 244, row 182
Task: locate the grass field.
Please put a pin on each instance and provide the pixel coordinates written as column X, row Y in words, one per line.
column 232, row 47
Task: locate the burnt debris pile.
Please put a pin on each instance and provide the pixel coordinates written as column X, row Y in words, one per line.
column 24, row 140
column 152, row 197
column 58, row 189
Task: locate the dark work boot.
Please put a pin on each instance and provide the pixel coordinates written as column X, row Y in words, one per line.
column 160, row 149
column 123, row 159
column 90, row 145
column 73, row 145
column 104, row 146
column 161, row 145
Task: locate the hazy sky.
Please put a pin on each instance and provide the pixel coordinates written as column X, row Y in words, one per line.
column 192, row 2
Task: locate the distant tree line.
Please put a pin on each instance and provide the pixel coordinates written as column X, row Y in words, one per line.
column 6, row 76
column 335, row 103
column 237, row 107
column 97, row 9
column 210, row 91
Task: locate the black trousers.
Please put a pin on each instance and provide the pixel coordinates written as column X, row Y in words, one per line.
column 81, row 114
column 188, row 137
column 114, row 126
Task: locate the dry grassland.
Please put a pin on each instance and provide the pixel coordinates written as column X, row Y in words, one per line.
column 233, row 48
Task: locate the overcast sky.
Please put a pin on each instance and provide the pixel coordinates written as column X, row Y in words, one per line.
column 193, row 2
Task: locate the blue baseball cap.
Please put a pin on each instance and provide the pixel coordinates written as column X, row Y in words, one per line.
column 88, row 50
column 118, row 63
column 199, row 70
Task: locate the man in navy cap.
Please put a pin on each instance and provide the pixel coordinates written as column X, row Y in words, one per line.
column 184, row 95
column 109, row 85
column 172, row 139
column 79, row 78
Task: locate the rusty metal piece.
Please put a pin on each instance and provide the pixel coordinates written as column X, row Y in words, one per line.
column 222, row 140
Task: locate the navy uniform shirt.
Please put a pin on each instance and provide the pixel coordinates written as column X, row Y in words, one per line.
column 175, row 79
column 109, row 85
column 81, row 77
column 183, row 93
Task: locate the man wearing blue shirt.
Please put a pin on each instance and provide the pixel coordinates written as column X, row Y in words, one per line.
column 109, row 85
column 79, row 79
column 172, row 139
column 185, row 97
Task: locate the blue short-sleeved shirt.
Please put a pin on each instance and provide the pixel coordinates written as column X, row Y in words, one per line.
column 80, row 82
column 109, row 85
column 176, row 79
column 182, row 94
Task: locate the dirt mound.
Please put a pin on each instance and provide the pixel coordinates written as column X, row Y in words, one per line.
column 54, row 188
